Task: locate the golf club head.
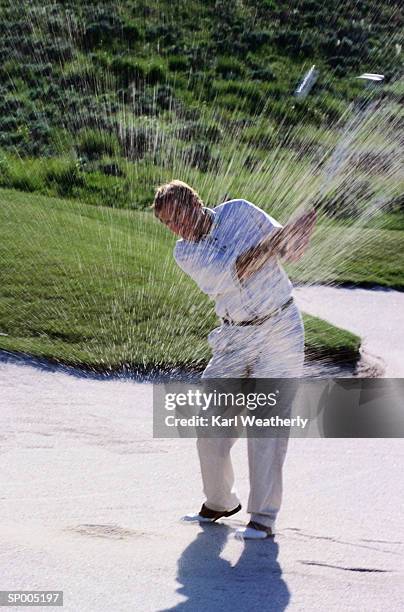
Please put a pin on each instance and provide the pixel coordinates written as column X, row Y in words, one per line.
column 307, row 83
column 371, row 77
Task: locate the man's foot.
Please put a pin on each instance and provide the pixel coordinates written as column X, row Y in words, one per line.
column 253, row 531
column 206, row 515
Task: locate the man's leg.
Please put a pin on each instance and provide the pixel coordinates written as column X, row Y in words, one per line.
column 267, row 452
column 265, row 459
column 282, row 358
column 213, row 451
column 217, row 473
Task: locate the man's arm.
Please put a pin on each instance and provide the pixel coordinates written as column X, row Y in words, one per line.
column 289, row 242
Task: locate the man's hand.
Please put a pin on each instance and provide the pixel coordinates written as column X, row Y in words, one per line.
column 296, row 236
column 290, row 243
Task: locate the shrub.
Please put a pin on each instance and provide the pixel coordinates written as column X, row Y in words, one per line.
column 230, row 102
column 8, row 123
column 256, row 39
column 20, row 174
column 39, row 129
column 191, row 112
column 249, row 95
column 93, row 144
column 245, row 89
column 164, row 96
column 348, row 200
column 61, row 140
column 103, row 190
column 58, row 51
column 63, row 177
column 229, row 68
column 331, row 108
column 111, row 168
column 143, row 102
column 137, row 142
column 200, row 156
column 178, row 63
column 200, row 131
column 165, row 34
column 288, row 39
column 251, row 162
column 263, row 74
column 101, row 32
column 259, row 136
column 156, row 74
column 127, row 70
column 4, row 170
column 100, row 58
column 131, row 32
column 275, row 92
column 198, row 57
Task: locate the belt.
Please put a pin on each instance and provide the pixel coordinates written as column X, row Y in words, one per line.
column 259, row 320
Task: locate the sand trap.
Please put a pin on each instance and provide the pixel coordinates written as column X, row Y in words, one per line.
column 376, row 315
column 90, row 502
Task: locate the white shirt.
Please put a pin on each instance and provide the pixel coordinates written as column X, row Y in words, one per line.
column 237, row 226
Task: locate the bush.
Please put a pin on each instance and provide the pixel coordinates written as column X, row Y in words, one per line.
column 111, row 168
column 256, row 39
column 200, row 131
column 137, row 142
column 156, row 74
column 103, row 190
column 229, row 68
column 61, row 140
column 165, row 34
column 29, row 72
column 131, row 32
column 199, row 156
column 8, row 123
column 230, row 101
column 331, row 108
column 178, row 63
column 143, row 102
column 94, row 144
column 249, row 95
column 58, row 51
column 263, row 74
column 259, row 136
column 64, row 177
column 102, row 31
column 349, row 199
column 198, row 57
column 251, row 162
column 288, row 39
column 127, row 70
column 4, row 170
column 20, row 174
column 164, row 96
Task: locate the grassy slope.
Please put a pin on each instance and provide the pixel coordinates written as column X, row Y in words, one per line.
column 96, row 286
column 363, row 256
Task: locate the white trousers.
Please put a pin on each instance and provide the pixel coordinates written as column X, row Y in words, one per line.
column 274, row 349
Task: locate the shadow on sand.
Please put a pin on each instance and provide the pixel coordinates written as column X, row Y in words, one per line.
column 140, row 375
column 210, row 582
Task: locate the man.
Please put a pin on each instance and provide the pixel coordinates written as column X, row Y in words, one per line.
column 232, row 252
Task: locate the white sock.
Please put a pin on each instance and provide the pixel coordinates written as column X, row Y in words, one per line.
column 248, row 533
column 195, row 518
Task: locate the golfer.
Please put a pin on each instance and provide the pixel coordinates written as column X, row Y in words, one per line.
column 233, row 253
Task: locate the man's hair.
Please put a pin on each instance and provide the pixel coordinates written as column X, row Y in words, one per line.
column 177, row 191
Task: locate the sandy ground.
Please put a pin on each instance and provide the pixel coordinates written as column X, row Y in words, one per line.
column 376, row 315
column 90, row 505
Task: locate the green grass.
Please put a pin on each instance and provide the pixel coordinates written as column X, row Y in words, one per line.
column 219, row 54
column 390, row 221
column 98, row 287
column 358, row 255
